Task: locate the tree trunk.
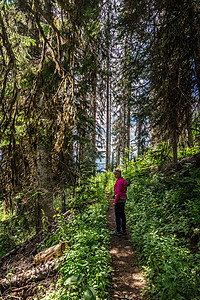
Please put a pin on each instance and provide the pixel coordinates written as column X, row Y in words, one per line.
column 33, row 275
column 45, row 198
column 108, row 106
column 50, row 253
column 124, row 139
column 139, row 129
column 94, row 110
column 63, row 209
column 45, row 263
column 128, row 128
column 195, row 16
column 127, row 95
column 108, row 121
column 118, row 155
column 44, row 206
column 189, row 130
column 119, row 143
column 175, row 148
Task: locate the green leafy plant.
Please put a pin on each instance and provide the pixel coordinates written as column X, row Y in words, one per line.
column 86, row 266
column 162, row 212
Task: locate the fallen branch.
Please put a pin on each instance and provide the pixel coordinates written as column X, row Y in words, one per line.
column 20, row 288
column 48, row 261
column 33, row 275
column 192, row 162
column 19, row 248
column 51, row 253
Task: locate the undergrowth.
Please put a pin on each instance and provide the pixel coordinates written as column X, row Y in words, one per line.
column 163, row 213
column 14, row 230
column 86, row 267
column 163, row 216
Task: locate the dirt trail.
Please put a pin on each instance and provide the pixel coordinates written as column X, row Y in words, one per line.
column 126, row 277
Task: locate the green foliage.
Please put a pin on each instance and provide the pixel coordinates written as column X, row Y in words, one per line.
column 110, row 181
column 185, row 151
column 89, row 190
column 14, row 230
column 162, row 214
column 86, row 266
column 47, row 87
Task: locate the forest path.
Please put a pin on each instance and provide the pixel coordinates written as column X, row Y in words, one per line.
column 126, row 277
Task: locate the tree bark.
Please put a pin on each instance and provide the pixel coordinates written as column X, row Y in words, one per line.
column 139, row 129
column 63, row 200
column 44, row 205
column 45, row 263
column 189, row 130
column 128, row 127
column 195, row 16
column 94, row 110
column 35, row 274
column 108, row 106
column 175, row 148
column 50, row 253
column 108, row 121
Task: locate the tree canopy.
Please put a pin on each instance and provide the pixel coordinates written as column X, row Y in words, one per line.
column 84, row 77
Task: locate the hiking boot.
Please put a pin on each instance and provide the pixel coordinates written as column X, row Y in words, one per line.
column 123, row 232
column 116, row 233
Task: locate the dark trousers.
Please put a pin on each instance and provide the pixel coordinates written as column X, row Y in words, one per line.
column 120, row 216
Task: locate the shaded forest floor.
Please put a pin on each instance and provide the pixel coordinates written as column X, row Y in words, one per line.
column 19, row 265
column 127, row 280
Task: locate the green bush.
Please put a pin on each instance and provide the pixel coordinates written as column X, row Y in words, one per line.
column 162, row 213
column 86, row 267
column 87, row 191
column 14, row 230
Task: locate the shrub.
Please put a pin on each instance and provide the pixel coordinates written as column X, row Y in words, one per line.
column 86, row 267
column 162, row 213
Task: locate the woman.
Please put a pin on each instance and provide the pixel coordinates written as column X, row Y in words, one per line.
column 120, row 189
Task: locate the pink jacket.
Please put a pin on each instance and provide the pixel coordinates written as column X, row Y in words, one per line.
column 120, row 189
